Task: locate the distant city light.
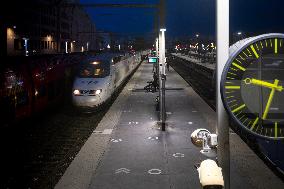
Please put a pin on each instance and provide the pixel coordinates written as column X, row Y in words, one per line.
column 239, row 33
column 66, row 47
column 108, row 46
column 48, row 38
column 26, row 45
column 197, row 35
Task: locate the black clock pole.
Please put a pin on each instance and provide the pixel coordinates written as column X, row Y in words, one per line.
column 223, row 149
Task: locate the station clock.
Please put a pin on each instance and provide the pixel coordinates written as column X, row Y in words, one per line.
column 252, row 85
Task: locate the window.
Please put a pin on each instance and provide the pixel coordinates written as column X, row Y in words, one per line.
column 98, row 72
column 91, row 71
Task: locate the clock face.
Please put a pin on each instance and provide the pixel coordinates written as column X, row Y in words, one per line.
column 252, row 86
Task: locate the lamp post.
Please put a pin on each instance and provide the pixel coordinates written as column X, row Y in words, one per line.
column 162, row 72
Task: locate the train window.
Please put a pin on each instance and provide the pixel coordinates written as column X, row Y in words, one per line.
column 98, row 72
column 92, row 71
column 86, row 72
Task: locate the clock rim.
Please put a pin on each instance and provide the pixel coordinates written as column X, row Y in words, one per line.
column 247, row 43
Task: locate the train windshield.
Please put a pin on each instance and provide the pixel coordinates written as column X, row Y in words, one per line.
column 91, row 71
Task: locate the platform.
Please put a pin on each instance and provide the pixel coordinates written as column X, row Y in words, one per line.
column 192, row 60
column 128, row 150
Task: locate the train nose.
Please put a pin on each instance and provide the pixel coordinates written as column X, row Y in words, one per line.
column 83, row 101
column 82, row 92
column 89, row 98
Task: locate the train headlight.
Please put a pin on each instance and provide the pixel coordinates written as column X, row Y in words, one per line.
column 98, row 91
column 76, row 92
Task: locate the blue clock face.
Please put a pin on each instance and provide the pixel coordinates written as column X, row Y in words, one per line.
column 252, row 86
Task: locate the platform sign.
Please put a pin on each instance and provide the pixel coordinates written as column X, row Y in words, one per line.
column 152, row 60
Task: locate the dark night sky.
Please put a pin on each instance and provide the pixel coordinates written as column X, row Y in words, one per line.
column 187, row 17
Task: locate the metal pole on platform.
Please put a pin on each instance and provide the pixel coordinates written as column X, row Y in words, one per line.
column 157, row 55
column 223, row 150
column 163, row 78
column 160, row 75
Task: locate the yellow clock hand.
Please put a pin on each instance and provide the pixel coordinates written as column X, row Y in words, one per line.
column 269, row 100
column 264, row 84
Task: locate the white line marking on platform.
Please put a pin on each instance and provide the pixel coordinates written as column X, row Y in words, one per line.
column 155, row 171
column 116, row 140
column 98, row 132
column 122, row 170
column 168, row 113
column 107, row 132
column 194, row 111
column 178, row 155
column 190, row 123
column 126, row 111
column 133, row 122
column 153, row 138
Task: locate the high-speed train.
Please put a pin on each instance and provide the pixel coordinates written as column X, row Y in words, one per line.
column 99, row 76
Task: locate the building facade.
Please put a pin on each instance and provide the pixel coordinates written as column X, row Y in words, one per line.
column 48, row 27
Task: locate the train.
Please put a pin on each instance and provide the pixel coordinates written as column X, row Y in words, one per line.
column 100, row 76
column 31, row 84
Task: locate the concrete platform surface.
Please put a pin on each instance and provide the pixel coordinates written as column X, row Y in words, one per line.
column 128, row 150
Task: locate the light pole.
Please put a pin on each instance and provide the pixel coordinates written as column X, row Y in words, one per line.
column 223, row 150
column 162, row 72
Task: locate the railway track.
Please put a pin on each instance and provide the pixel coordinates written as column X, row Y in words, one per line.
column 200, row 78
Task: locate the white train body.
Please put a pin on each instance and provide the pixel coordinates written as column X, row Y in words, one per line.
column 100, row 76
